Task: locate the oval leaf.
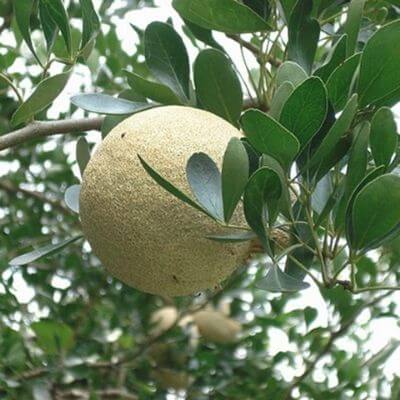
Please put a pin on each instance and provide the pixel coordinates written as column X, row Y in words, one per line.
column 205, row 182
column 217, row 85
column 167, row 58
column 233, row 237
column 44, row 94
column 37, row 254
column 379, row 69
column 375, row 211
column 280, row 97
column 353, row 24
column 291, row 72
column 305, row 110
column 235, row 173
column 383, row 136
column 82, row 153
column 261, row 196
column 269, row 137
column 105, row 104
column 152, row 90
column 221, row 15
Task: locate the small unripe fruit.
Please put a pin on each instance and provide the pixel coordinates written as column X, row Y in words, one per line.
column 170, row 379
column 142, row 234
column 162, row 320
column 215, row 327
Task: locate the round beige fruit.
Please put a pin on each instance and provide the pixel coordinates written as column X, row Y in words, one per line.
column 142, row 234
column 216, row 327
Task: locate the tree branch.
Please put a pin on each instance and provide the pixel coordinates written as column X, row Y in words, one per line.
column 14, row 190
column 42, row 129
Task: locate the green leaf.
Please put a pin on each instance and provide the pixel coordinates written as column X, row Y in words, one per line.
column 217, row 86
column 369, row 177
column 280, row 97
column 353, row 24
column 152, row 90
column 383, row 136
column 269, row 137
column 304, row 112
column 287, row 7
column 82, row 153
column 379, row 70
column 227, row 16
column 277, row 281
column 261, row 198
column 303, row 35
column 203, row 34
column 375, row 211
column 338, row 129
column 235, row 173
column 205, row 182
column 261, row 7
column 23, row 11
column 50, row 28
column 291, row 72
column 335, row 58
column 169, row 187
column 105, row 104
column 167, row 58
column 340, row 83
column 232, row 237
column 43, row 95
column 53, row 337
column 71, row 197
column 90, row 24
column 45, row 251
column 60, row 17
column 358, row 158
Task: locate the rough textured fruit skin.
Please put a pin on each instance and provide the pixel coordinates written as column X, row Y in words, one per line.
column 143, row 235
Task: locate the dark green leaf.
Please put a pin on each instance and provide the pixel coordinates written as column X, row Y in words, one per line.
column 269, row 137
column 287, row 7
column 379, row 70
column 167, row 58
column 338, row 129
column 232, row 237
column 277, row 281
column 217, row 85
column 203, row 34
column 152, row 90
column 261, row 198
column 376, row 211
column 71, row 197
column 335, row 58
column 261, row 7
column 340, row 83
column 352, row 26
column 50, row 28
column 304, row 112
column 43, row 95
column 45, row 251
column 221, row 15
column 110, row 122
column 60, row 17
column 383, row 136
column 205, row 182
column 105, row 104
column 169, row 187
column 280, row 97
column 235, row 173
column 53, row 336
column 82, row 153
column 23, row 11
column 291, row 72
column 358, row 158
column 90, row 23
column 303, row 35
